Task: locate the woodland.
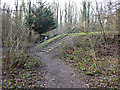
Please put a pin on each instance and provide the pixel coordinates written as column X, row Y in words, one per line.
column 46, row 45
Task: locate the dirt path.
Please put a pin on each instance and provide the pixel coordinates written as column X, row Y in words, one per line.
column 59, row 75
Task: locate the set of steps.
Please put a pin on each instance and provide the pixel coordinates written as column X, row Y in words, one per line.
column 54, row 44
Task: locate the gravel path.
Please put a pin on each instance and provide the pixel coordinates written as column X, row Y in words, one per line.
column 59, row 74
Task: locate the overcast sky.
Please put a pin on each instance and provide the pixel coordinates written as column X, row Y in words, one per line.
column 12, row 2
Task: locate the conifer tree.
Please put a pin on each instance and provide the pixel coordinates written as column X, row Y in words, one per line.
column 41, row 19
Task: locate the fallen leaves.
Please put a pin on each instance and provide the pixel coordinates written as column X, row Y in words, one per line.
column 20, row 78
column 81, row 58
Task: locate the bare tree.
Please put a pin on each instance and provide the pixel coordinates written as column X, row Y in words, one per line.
column 118, row 39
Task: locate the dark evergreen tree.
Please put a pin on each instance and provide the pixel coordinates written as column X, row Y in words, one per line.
column 41, row 19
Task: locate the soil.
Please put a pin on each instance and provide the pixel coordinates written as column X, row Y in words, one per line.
column 58, row 73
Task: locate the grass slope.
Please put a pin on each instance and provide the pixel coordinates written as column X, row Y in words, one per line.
column 49, row 41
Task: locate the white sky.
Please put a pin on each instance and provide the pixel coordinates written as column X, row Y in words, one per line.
column 12, row 2
column 61, row 2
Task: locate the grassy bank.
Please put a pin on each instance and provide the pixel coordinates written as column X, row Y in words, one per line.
column 89, row 55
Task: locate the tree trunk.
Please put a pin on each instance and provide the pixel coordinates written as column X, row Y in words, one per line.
column 118, row 40
column 30, row 34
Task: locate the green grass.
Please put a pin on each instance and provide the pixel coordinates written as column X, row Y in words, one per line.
column 47, row 42
column 72, row 36
column 76, row 34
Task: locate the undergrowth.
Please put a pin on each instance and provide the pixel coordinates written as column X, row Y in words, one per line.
column 78, row 52
column 20, row 68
